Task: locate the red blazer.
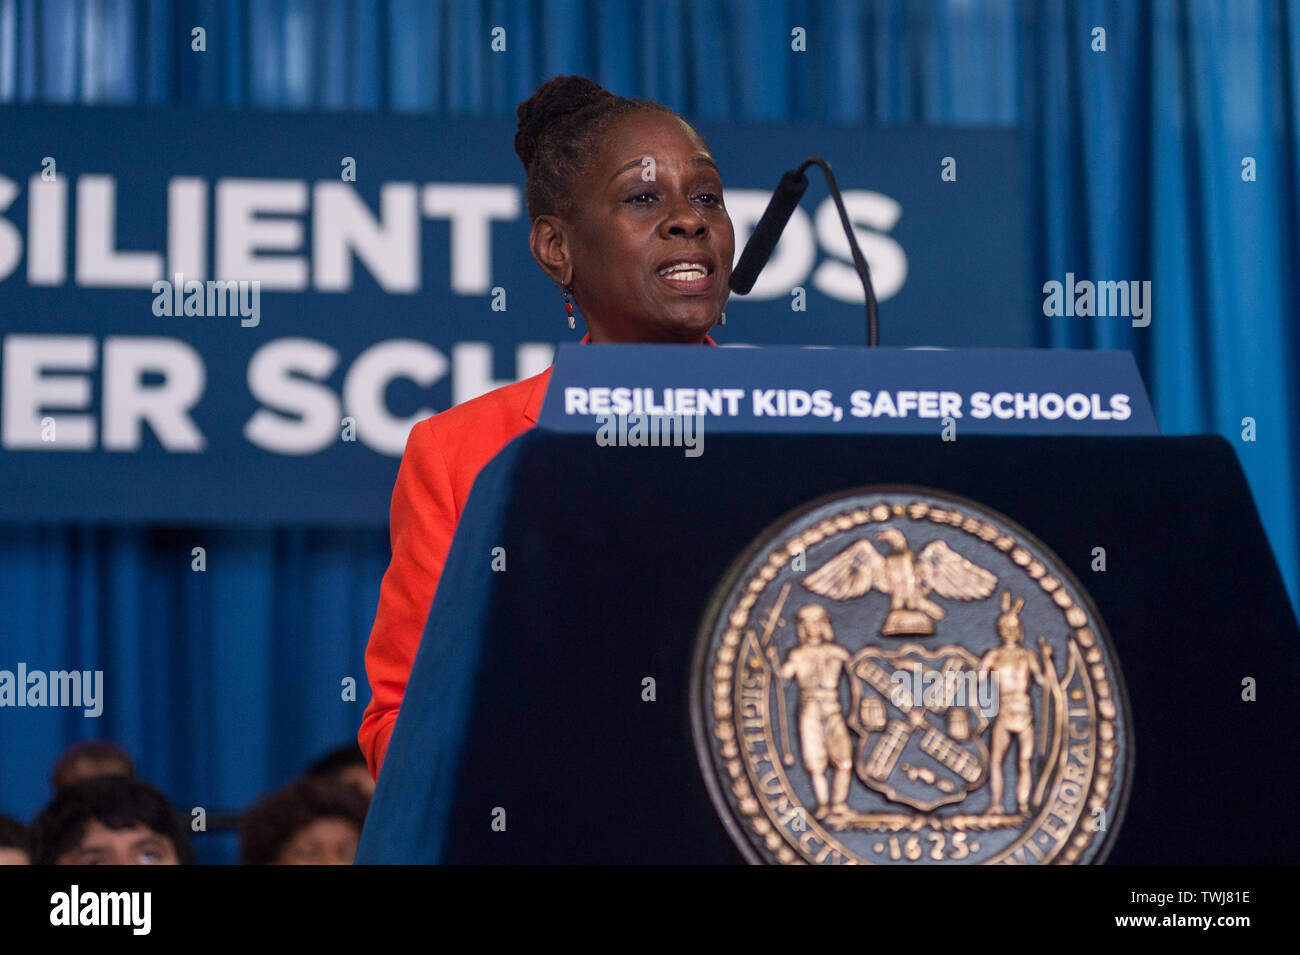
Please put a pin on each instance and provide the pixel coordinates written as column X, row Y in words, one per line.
column 443, row 456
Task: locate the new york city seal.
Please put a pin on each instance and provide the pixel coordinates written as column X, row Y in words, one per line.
column 898, row 676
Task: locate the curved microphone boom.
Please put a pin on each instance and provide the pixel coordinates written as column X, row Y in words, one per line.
column 761, row 244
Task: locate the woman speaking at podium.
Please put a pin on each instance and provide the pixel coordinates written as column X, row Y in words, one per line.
column 628, row 219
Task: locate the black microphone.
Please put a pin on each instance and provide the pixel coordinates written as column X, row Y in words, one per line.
column 767, row 233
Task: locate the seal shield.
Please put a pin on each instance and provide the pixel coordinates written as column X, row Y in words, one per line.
column 896, row 675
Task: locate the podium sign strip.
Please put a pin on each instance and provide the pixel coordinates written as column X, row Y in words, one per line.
column 611, row 390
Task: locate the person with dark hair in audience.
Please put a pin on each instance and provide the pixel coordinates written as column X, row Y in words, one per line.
column 15, row 842
column 110, row 820
column 90, row 758
column 312, row 821
column 346, row 764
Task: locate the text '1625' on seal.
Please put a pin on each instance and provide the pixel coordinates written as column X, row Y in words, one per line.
column 899, row 676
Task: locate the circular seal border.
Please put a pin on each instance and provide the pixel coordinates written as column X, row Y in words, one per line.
column 723, row 591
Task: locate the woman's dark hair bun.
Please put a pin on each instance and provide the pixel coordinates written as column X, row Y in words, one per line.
column 557, row 97
column 561, row 128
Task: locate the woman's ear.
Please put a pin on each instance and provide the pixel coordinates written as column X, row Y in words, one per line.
column 550, row 248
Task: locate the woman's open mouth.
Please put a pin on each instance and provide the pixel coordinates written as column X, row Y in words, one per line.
column 687, row 278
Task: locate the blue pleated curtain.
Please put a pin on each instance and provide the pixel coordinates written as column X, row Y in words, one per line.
column 226, row 683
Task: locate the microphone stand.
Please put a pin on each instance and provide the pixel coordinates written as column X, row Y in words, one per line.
column 859, row 260
column 799, row 182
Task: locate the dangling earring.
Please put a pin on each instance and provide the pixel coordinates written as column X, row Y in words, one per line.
column 722, row 319
column 568, row 304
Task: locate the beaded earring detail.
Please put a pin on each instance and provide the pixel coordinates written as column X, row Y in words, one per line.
column 568, row 304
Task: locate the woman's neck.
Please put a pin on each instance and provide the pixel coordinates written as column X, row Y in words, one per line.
column 602, row 336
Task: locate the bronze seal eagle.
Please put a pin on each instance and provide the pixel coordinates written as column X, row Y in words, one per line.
column 900, row 676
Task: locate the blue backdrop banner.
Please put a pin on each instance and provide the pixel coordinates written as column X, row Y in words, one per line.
column 238, row 316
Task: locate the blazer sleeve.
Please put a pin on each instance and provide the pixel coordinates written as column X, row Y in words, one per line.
column 422, row 520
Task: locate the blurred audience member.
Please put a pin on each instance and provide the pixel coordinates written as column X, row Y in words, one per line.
column 312, row 821
column 91, row 758
column 110, row 820
column 346, row 764
column 15, row 843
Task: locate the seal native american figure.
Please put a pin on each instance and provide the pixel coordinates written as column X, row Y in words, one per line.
column 1013, row 665
column 906, row 576
column 818, row 665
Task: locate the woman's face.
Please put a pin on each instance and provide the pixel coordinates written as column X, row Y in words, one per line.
column 627, row 228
